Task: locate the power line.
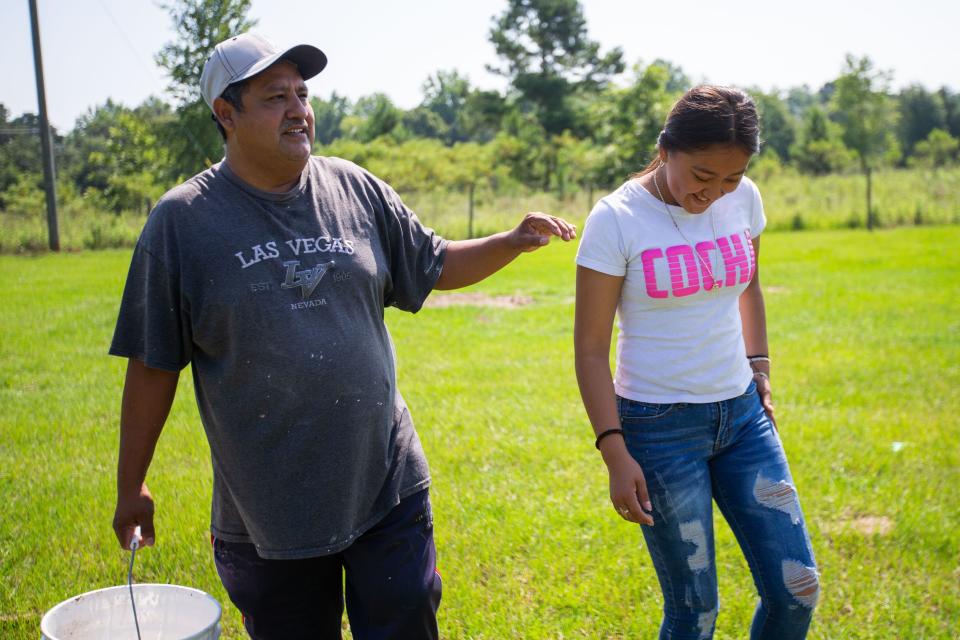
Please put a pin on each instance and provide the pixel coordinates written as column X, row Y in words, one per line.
column 123, row 35
column 194, row 142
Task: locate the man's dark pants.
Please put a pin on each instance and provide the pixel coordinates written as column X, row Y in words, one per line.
column 392, row 586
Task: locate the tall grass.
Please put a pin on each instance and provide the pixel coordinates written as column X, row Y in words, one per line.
column 79, row 227
column 899, row 197
column 792, row 202
column 865, row 335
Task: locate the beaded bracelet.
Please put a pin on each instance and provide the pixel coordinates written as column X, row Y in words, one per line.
column 606, row 433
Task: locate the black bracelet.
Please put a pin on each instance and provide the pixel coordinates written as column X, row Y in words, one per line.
column 606, row 433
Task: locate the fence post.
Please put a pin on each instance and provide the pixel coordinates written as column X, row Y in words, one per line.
column 470, row 213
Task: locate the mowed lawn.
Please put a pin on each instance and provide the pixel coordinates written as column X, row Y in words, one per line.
column 865, row 337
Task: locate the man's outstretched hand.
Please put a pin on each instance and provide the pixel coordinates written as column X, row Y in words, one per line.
column 535, row 229
column 470, row 261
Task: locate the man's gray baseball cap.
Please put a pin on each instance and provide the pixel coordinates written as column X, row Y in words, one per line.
column 248, row 54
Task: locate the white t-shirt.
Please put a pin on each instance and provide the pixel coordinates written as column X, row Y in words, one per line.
column 680, row 339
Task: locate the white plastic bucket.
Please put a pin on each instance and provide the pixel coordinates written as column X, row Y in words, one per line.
column 164, row 611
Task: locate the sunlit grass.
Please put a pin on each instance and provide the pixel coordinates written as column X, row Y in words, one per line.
column 865, row 336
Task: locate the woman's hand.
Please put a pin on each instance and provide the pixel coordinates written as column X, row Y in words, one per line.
column 628, row 487
column 766, row 398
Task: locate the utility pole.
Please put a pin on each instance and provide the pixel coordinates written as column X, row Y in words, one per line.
column 46, row 140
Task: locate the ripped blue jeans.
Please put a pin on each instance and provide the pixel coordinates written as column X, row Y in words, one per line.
column 730, row 452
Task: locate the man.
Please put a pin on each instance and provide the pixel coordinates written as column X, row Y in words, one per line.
column 269, row 274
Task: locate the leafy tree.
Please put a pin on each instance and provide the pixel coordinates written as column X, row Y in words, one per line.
column 826, row 92
column 799, row 100
column 920, row 113
column 20, row 148
column 470, row 166
column 937, row 150
column 446, row 94
column 820, row 150
column 864, row 109
column 328, row 115
column 352, row 150
column 117, row 151
column 525, row 148
column 482, row 115
column 424, row 123
column 418, row 164
column 951, row 108
column 776, row 123
column 24, row 196
column 548, row 57
column 677, row 80
column 579, row 162
column 862, row 105
column 373, row 116
column 765, row 166
column 199, row 26
column 628, row 120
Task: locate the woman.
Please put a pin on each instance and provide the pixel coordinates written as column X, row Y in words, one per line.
column 688, row 417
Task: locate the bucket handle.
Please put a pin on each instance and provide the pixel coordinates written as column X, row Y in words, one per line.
column 134, row 543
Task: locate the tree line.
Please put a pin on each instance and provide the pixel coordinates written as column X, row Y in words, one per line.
column 572, row 118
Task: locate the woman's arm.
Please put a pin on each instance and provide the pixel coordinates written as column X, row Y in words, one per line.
column 596, row 305
column 753, row 316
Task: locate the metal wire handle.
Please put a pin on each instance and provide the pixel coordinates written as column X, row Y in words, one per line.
column 134, row 543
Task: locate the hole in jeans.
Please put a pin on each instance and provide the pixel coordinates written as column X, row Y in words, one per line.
column 802, row 582
column 777, row 494
column 705, row 623
column 694, row 533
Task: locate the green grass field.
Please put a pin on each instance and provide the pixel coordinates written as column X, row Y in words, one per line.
column 865, row 333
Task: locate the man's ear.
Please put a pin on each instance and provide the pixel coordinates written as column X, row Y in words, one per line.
column 224, row 111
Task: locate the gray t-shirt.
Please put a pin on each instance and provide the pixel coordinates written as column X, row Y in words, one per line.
column 277, row 302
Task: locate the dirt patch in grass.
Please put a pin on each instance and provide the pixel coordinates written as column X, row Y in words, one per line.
column 864, row 525
column 476, row 300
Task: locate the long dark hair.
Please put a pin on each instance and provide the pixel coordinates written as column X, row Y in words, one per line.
column 707, row 115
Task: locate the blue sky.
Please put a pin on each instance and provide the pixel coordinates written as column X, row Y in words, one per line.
column 99, row 49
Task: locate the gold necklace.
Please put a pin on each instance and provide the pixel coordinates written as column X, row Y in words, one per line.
column 707, row 268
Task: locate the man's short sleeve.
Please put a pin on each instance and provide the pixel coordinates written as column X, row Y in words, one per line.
column 416, row 255
column 601, row 246
column 152, row 324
